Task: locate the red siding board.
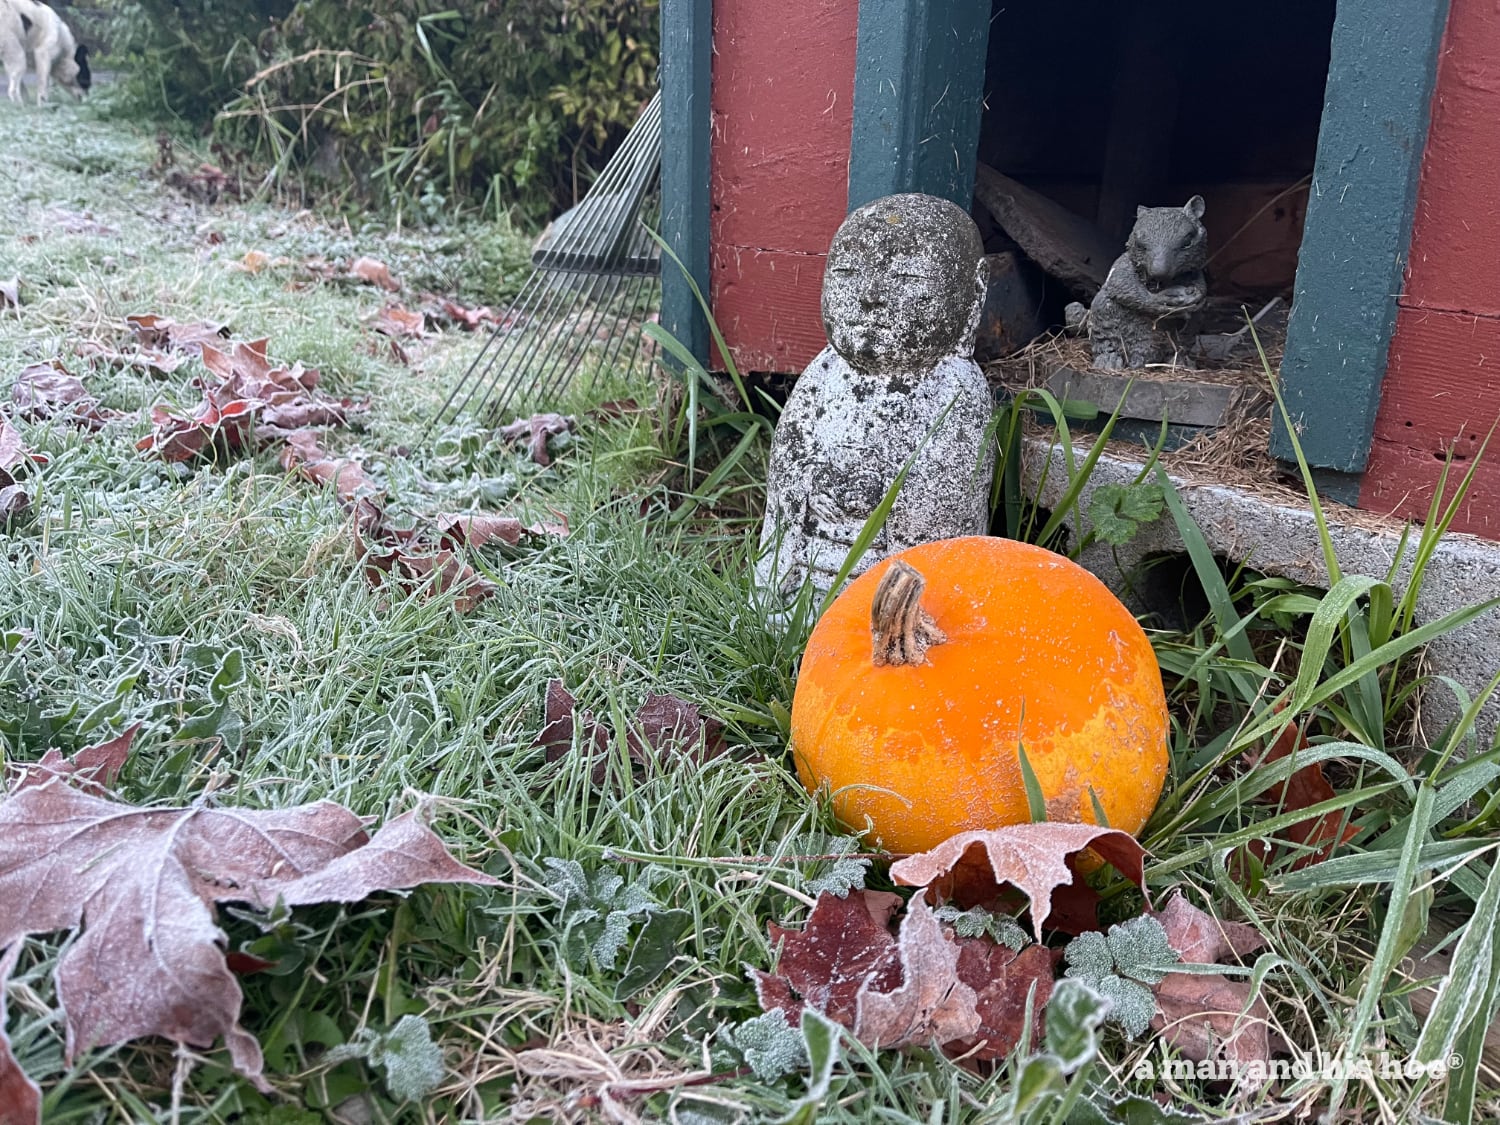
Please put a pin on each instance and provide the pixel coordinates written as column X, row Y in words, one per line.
column 783, row 93
column 1442, row 384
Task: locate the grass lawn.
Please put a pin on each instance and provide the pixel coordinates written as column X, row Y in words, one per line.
column 136, row 583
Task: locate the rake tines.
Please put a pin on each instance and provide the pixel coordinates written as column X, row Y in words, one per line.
column 595, row 269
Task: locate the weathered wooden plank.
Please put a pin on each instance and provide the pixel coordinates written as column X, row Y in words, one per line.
column 686, row 67
column 783, row 100
column 918, row 96
column 1455, row 255
column 1444, row 394
column 1358, row 229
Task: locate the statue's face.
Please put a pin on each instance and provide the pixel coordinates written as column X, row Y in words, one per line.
column 902, row 288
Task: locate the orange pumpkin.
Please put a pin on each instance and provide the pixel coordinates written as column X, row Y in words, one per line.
column 930, row 669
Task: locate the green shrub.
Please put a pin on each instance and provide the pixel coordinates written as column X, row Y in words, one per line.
column 430, row 105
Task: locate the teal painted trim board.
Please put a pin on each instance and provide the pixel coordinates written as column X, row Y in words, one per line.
column 686, row 69
column 1358, row 226
column 918, row 96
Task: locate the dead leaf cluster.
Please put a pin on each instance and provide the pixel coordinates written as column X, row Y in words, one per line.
column 139, row 887
column 245, row 399
column 44, row 391
column 429, row 556
column 535, row 431
column 662, row 724
column 922, row 983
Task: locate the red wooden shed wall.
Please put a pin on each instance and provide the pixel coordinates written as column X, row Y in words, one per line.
column 1442, row 384
column 783, row 97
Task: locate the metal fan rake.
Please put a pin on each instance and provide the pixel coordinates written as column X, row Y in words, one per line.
column 594, row 277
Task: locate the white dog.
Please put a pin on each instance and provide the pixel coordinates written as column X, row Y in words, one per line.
column 27, row 26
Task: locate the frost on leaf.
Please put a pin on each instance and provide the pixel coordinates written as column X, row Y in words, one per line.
column 847, row 874
column 973, row 868
column 412, row 1062
column 599, row 911
column 770, row 1046
column 1007, row 983
column 932, row 1003
column 93, row 767
column 140, row 885
column 846, row 943
column 1122, row 966
column 979, row 922
column 1209, row 1016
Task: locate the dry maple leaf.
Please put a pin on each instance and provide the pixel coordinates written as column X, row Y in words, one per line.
column 1317, row 835
column 466, row 318
column 1007, row 984
column 932, row 1004
column 13, row 450
column 972, row 868
column 1200, row 938
column 140, row 886
column 93, row 767
column 1198, row 1014
column 20, row 1098
column 659, row 724
column 845, row 945
column 398, row 322
column 164, row 332
column 374, row 272
column 400, row 557
column 14, row 502
column 535, row 431
column 306, row 457
column 50, row 390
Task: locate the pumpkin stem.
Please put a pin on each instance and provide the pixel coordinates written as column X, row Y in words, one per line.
column 900, row 629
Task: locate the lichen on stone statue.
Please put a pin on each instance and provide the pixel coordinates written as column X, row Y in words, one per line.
column 1151, row 289
column 902, row 295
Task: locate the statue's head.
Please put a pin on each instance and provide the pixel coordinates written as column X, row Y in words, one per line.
column 905, row 284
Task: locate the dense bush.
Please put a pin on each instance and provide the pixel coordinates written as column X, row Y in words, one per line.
column 429, row 104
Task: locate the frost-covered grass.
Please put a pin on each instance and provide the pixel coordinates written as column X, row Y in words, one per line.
column 137, row 582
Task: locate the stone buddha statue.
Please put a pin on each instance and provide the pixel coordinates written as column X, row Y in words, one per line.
column 902, row 295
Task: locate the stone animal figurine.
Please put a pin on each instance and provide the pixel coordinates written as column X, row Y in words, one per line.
column 1151, row 289
column 902, row 294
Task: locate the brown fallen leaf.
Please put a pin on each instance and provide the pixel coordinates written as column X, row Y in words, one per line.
column 76, row 222
column 164, row 332
column 149, row 360
column 466, row 318
column 1008, row 985
column 932, row 1003
column 20, row 1097
column 1317, row 836
column 1198, row 1014
column 10, row 293
column 13, row 449
column 50, row 390
column 1207, row 1017
column 1200, row 938
column 14, row 503
column 535, row 431
column 254, row 261
column 94, row 767
column 139, row 885
column 374, row 272
column 397, row 322
column 845, row 945
column 455, row 529
column 972, row 868
column 661, row 723
column 400, row 557
column 306, row 457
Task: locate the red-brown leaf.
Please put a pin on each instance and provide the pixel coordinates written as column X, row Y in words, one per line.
column 20, row 1097
column 1305, row 788
column 973, row 868
column 1003, row 980
column 13, row 502
column 398, row 323
column 1200, row 938
column 164, row 332
column 50, row 390
column 1200, row 1017
column 535, row 431
column 142, row 884
column 306, row 457
column 94, row 767
column 374, row 272
column 841, row 949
